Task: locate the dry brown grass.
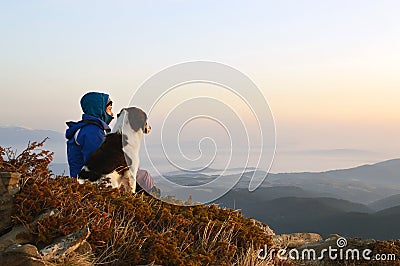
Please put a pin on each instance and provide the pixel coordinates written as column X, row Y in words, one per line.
column 249, row 258
column 73, row 259
column 126, row 229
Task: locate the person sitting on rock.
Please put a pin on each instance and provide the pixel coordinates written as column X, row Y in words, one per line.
column 86, row 135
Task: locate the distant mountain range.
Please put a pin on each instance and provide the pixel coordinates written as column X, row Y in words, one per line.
column 314, row 202
column 363, row 201
column 385, row 203
column 321, row 215
column 358, row 202
column 363, row 184
column 19, row 137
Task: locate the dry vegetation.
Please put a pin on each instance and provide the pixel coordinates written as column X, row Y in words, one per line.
column 127, row 229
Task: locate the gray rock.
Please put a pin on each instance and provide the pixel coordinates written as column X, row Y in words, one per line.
column 9, row 183
column 20, row 234
column 351, row 243
column 65, row 245
column 9, row 186
column 295, row 240
column 21, row 255
column 268, row 231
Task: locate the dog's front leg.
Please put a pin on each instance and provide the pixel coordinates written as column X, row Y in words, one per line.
column 133, row 172
column 131, row 177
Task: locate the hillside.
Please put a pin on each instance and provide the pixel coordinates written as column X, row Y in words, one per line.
column 19, row 137
column 290, row 210
column 362, row 184
column 385, row 203
column 119, row 228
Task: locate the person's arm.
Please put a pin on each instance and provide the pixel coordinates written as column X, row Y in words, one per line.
column 91, row 140
column 75, row 159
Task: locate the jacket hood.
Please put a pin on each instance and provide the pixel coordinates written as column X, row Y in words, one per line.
column 75, row 126
column 94, row 104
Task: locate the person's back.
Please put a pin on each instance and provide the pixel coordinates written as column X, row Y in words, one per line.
column 85, row 136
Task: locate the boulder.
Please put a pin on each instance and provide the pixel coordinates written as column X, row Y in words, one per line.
column 267, row 230
column 65, row 245
column 9, row 183
column 336, row 241
column 21, row 255
column 295, row 240
column 9, row 186
column 20, row 234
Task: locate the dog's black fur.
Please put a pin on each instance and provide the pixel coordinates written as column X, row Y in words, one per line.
column 110, row 156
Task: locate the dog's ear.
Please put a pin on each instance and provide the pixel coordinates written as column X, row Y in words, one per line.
column 137, row 118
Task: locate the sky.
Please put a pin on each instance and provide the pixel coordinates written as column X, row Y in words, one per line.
column 329, row 69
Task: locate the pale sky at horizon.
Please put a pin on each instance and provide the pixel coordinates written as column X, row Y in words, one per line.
column 329, row 69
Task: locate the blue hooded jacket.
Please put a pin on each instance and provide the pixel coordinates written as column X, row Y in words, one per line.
column 85, row 136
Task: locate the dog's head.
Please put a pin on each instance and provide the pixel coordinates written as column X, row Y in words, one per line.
column 133, row 117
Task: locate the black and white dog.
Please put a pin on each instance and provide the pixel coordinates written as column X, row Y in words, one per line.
column 119, row 151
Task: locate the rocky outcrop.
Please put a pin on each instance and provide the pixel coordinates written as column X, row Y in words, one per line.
column 28, row 254
column 9, row 186
column 295, row 240
column 268, row 231
column 337, row 241
column 16, row 246
column 65, row 245
column 25, row 255
column 20, row 234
